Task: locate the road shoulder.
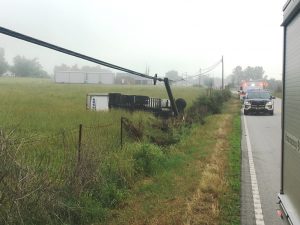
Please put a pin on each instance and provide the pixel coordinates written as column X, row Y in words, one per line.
column 247, row 207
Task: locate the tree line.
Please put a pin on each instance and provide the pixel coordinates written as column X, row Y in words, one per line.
column 21, row 67
column 75, row 67
column 252, row 73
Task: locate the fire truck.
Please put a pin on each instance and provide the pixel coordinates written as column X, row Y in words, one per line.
column 250, row 85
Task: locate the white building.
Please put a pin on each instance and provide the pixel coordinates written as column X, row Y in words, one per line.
column 80, row 77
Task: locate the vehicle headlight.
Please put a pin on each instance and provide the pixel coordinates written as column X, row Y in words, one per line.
column 247, row 103
column 269, row 103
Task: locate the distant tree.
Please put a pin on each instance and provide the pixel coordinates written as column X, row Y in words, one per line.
column 23, row 67
column 254, row 73
column 238, row 70
column 62, row 67
column 3, row 64
column 91, row 69
column 75, row 68
column 275, row 85
column 250, row 73
column 173, row 75
column 238, row 74
column 235, row 78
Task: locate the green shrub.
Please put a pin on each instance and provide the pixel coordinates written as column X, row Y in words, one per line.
column 80, row 210
column 118, row 168
column 205, row 105
column 111, row 195
column 149, row 159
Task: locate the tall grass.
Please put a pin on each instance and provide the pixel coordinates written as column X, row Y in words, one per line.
column 39, row 105
column 47, row 178
column 43, row 179
column 230, row 202
column 207, row 104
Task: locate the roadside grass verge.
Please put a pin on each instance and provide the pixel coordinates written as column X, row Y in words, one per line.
column 161, row 198
column 230, row 202
column 199, row 183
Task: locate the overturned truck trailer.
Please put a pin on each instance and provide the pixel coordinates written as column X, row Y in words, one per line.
column 106, row 101
column 290, row 167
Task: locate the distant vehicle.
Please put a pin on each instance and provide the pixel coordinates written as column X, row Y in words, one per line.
column 251, row 85
column 258, row 101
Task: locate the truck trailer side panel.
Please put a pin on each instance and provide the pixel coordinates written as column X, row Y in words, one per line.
column 290, row 196
column 62, row 77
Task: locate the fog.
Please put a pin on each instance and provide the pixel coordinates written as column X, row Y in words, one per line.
column 162, row 35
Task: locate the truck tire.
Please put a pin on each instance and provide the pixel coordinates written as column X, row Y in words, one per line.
column 271, row 112
column 245, row 112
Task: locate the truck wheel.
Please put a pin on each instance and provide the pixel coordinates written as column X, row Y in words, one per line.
column 272, row 113
column 245, row 112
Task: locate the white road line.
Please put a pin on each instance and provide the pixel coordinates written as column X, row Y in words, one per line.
column 255, row 193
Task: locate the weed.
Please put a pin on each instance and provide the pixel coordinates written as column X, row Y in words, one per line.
column 230, row 203
column 206, row 105
column 148, row 160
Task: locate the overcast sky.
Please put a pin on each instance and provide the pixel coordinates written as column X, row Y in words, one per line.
column 162, row 34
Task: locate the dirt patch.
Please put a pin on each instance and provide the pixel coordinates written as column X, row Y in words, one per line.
column 203, row 206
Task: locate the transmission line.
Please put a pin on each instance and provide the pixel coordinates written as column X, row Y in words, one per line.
column 69, row 52
column 208, row 69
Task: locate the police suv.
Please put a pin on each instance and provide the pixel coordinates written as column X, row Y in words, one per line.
column 258, row 101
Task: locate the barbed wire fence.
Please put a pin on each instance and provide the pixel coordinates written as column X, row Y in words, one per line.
column 71, row 147
column 33, row 166
column 74, row 143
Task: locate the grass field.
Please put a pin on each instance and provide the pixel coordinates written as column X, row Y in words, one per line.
column 39, row 105
column 39, row 151
column 47, row 179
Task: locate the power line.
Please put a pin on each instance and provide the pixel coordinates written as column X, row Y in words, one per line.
column 91, row 59
column 208, row 69
column 76, row 54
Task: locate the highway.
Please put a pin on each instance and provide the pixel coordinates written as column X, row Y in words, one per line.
column 260, row 179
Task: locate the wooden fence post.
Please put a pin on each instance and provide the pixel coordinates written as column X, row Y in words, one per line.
column 79, row 143
column 121, row 133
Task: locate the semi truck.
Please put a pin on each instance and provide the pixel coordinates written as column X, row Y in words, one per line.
column 289, row 196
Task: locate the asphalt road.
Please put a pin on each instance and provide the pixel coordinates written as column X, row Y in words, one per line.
column 265, row 143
